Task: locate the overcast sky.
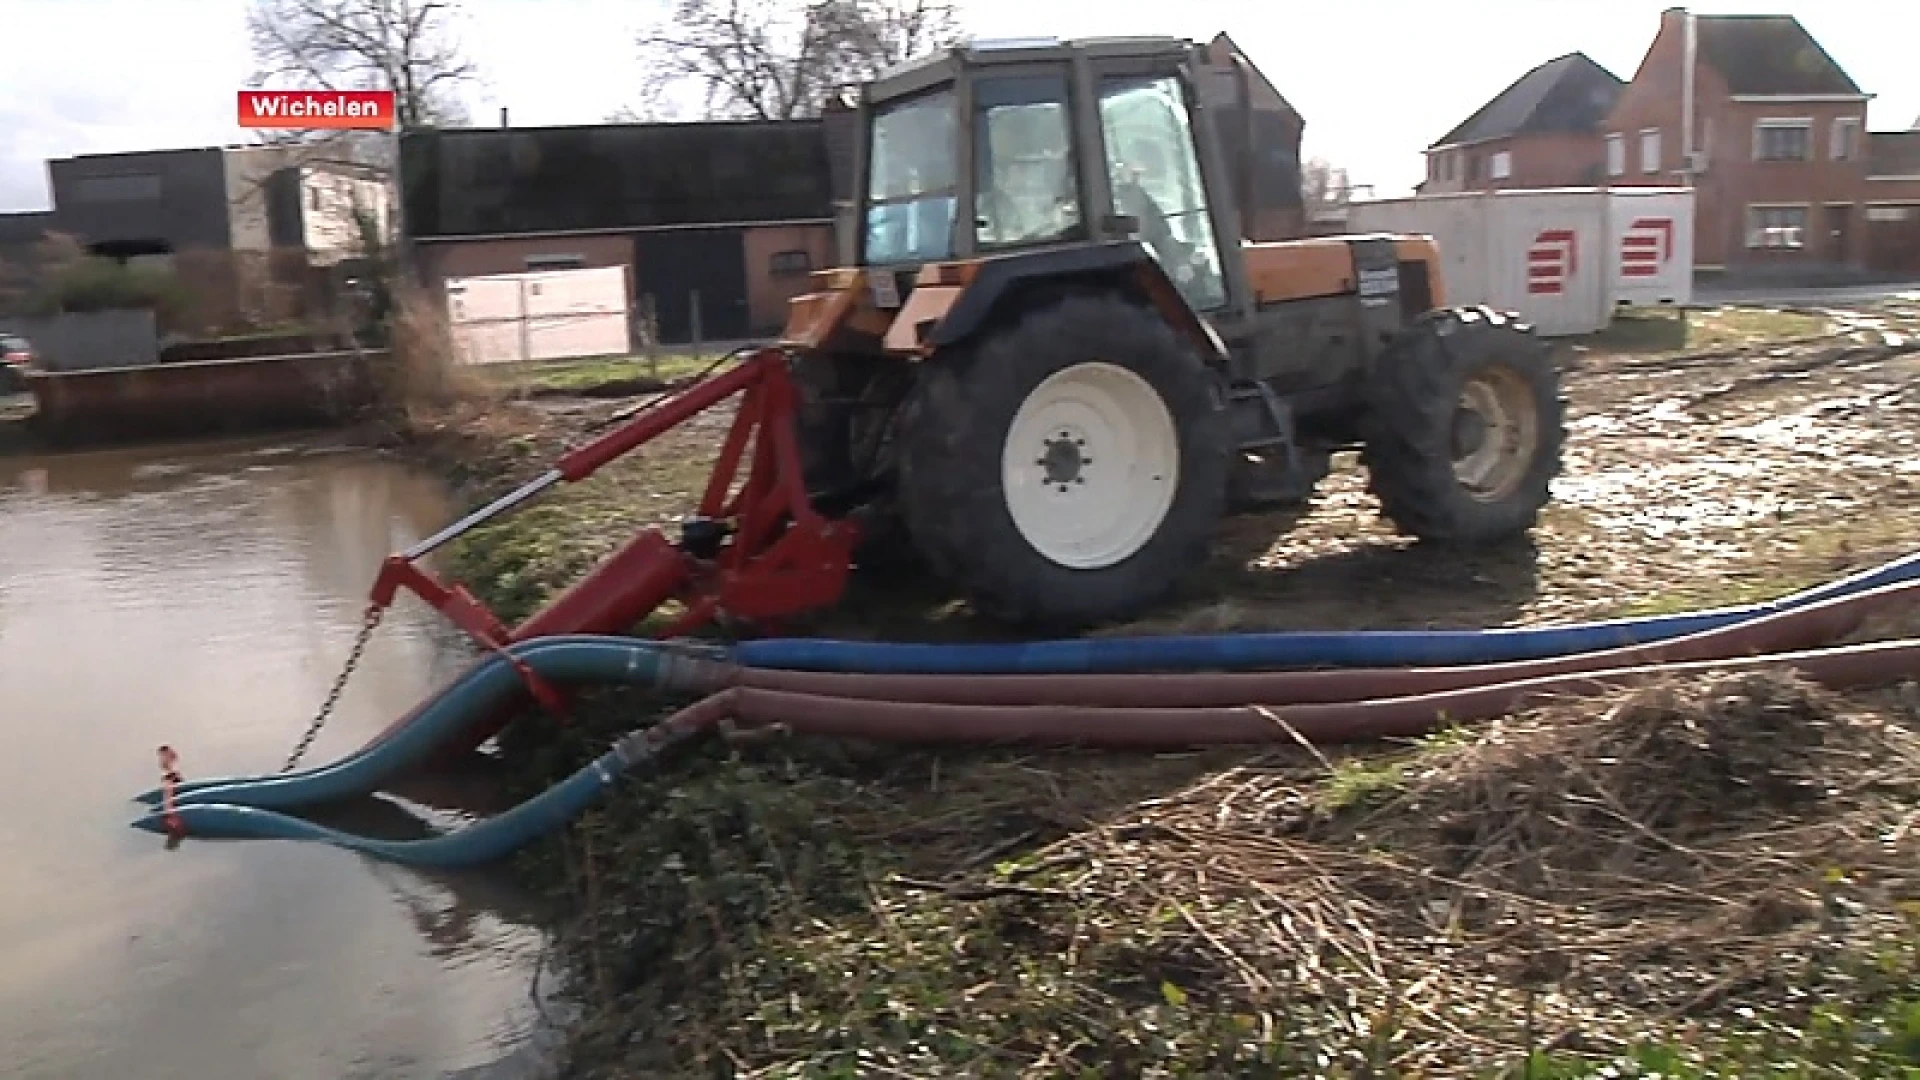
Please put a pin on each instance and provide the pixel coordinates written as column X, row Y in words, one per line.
column 1377, row 80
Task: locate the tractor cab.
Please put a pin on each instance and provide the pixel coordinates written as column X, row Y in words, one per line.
column 996, row 148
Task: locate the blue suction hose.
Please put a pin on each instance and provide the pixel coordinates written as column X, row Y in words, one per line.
column 1283, row 649
column 245, row 808
column 628, row 660
column 494, row 679
column 472, row 845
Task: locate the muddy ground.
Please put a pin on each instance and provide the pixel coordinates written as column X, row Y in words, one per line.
column 796, row 909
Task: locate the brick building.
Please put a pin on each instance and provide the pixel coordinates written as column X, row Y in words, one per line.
column 1543, row 131
column 1261, row 140
column 1788, row 180
column 1892, row 217
column 1779, row 138
column 734, row 212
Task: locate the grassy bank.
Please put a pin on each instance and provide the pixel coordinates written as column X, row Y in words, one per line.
column 1697, row 880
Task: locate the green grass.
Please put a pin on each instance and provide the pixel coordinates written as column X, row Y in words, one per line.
column 1702, row 330
column 561, row 375
column 810, row 909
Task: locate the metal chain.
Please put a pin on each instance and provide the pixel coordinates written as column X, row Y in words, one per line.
column 368, row 624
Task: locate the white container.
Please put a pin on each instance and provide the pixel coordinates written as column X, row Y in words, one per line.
column 540, row 315
column 1564, row 258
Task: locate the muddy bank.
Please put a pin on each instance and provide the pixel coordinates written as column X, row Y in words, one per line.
column 800, row 908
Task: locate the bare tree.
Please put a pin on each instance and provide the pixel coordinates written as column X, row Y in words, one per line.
column 407, row 46
column 784, row 59
column 1323, row 185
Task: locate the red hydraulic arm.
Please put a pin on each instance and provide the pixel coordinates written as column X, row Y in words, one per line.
column 756, row 550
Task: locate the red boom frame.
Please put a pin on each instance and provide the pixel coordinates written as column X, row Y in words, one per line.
column 773, row 554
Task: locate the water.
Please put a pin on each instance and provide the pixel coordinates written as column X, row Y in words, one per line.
column 205, row 598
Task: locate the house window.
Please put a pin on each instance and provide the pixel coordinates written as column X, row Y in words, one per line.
column 1890, row 213
column 1776, row 226
column 556, row 262
column 1846, row 139
column 789, row 263
column 1783, row 140
column 1503, row 165
column 1650, row 150
column 1616, row 155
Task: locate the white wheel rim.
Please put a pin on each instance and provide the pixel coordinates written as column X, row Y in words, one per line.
column 1090, row 465
column 1494, row 470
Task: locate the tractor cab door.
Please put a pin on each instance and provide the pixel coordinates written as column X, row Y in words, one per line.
column 1026, row 181
column 1157, row 175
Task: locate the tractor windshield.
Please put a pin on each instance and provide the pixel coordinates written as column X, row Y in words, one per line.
column 911, row 180
column 1155, row 168
column 1024, row 186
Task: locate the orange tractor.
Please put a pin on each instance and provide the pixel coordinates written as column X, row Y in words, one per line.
column 1052, row 369
column 1056, row 364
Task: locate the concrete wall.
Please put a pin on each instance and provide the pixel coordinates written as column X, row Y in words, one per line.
column 248, row 173
column 331, row 201
column 443, row 259
column 177, row 198
column 86, row 341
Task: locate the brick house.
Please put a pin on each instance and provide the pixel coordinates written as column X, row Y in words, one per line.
column 1781, row 151
column 1261, row 139
column 1543, row 131
column 1892, row 217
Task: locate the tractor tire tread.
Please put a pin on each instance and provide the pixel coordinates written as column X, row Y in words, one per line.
column 1412, row 396
column 954, row 426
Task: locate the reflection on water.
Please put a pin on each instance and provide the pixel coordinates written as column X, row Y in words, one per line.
column 205, row 598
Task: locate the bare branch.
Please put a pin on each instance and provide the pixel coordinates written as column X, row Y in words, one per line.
column 784, row 59
column 407, row 46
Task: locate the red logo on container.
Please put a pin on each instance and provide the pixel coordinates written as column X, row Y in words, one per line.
column 332, row 110
column 1554, row 257
column 1646, row 247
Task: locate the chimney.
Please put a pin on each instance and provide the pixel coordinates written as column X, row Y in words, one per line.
column 503, row 116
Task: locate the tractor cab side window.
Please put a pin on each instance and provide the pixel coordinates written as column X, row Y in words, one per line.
column 1155, row 168
column 1024, row 177
column 911, row 181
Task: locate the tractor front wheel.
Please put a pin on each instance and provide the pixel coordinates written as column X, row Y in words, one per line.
column 1464, row 427
column 1069, row 468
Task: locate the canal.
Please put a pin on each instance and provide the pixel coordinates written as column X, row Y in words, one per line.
column 205, row 597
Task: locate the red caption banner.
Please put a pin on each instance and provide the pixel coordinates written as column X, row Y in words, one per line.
column 305, row 110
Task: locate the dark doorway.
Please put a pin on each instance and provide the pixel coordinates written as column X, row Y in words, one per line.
column 122, row 250
column 675, row 266
column 1840, row 233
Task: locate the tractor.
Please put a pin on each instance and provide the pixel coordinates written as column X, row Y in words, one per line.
column 1055, row 364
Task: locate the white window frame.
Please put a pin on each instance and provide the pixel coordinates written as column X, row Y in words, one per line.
column 1616, row 154
column 1650, row 139
column 1843, row 140
column 1771, row 123
column 1778, row 237
column 1500, row 166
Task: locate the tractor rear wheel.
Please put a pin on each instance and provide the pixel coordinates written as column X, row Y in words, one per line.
column 1069, row 468
column 1464, row 427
